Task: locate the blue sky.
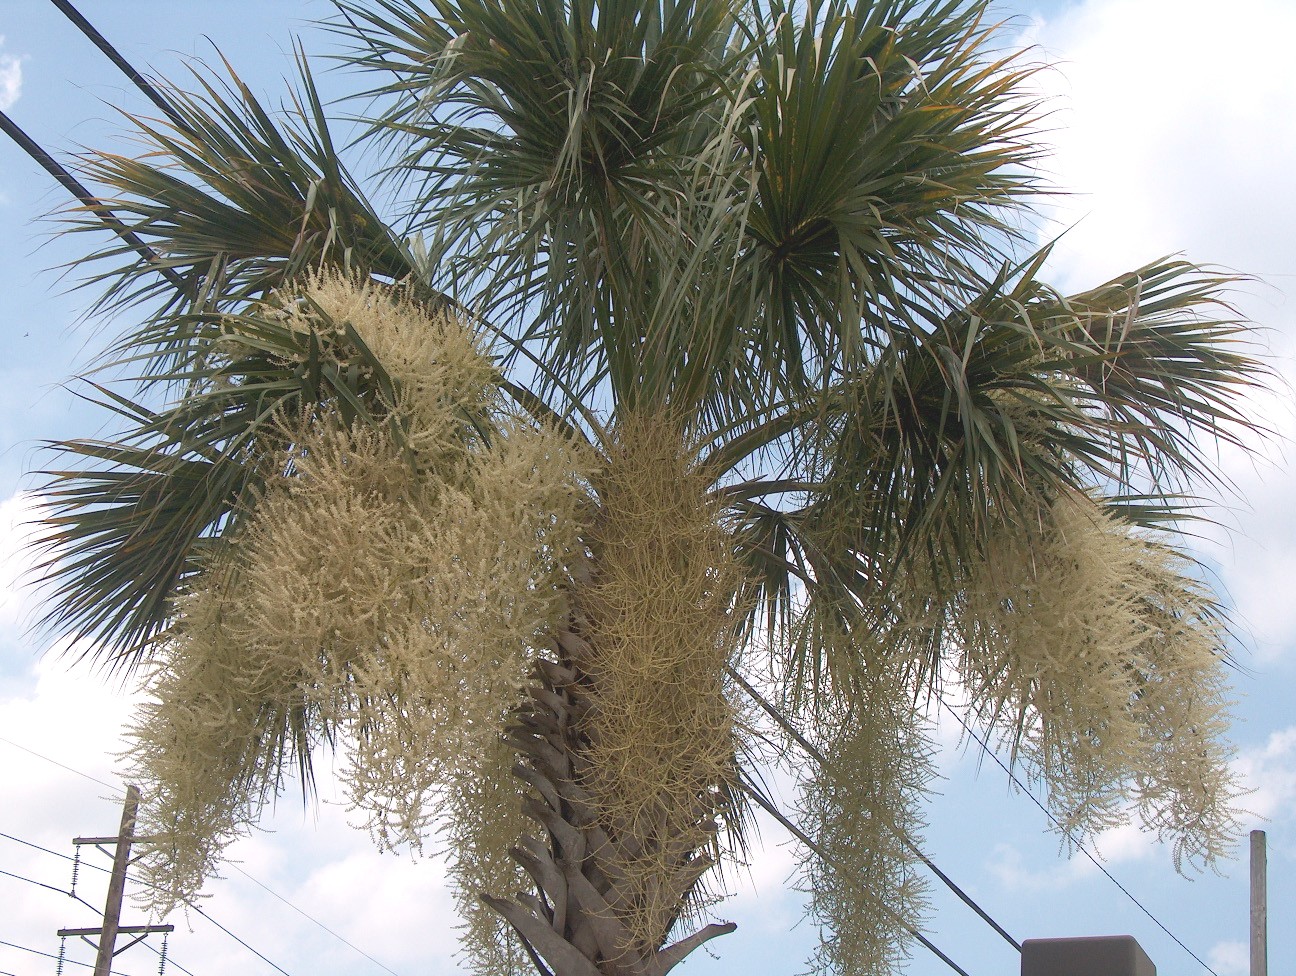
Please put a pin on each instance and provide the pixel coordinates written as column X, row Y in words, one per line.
column 1175, row 130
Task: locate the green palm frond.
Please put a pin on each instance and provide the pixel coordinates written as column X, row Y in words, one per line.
column 237, row 200
column 1161, row 358
column 557, row 149
column 130, row 520
column 985, row 419
column 126, row 528
column 638, row 184
column 887, row 153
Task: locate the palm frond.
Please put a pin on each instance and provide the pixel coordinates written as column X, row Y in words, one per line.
column 985, row 420
column 887, row 154
column 131, row 519
column 236, row 200
column 553, row 140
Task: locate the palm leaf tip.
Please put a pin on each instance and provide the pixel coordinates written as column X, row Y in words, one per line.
column 234, row 199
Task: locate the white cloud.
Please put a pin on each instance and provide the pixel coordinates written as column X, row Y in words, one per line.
column 1167, row 152
column 1269, row 771
column 1230, row 958
column 10, row 78
column 1123, row 844
column 1187, row 167
column 1128, row 842
column 1007, row 866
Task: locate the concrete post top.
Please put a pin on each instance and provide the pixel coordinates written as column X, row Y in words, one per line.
column 1095, row 955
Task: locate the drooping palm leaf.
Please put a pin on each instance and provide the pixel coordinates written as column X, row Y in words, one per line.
column 986, row 418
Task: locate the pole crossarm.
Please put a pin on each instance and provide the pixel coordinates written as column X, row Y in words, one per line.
column 122, row 929
column 106, row 947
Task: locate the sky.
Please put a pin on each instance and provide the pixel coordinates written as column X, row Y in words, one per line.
column 1173, row 127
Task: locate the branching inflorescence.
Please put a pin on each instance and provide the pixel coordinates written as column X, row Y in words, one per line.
column 388, row 593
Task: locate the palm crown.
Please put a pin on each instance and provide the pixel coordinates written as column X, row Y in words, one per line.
column 704, row 404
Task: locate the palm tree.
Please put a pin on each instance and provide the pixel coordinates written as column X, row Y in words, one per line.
column 702, row 414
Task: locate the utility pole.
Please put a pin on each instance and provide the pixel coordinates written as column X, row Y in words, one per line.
column 1259, row 905
column 122, row 860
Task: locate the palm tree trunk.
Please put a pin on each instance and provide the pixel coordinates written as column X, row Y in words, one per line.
column 579, row 921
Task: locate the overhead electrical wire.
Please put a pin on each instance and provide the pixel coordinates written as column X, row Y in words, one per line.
column 985, row 748
column 171, row 961
column 50, row 955
column 261, row 884
column 196, row 908
column 314, row 920
column 55, row 762
column 45, row 850
column 764, row 803
column 92, row 203
column 40, row 884
column 105, row 870
column 98, row 867
column 99, row 41
column 812, row 752
column 96, row 911
column 254, row 952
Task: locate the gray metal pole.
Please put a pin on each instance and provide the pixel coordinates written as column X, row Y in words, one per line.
column 1259, row 906
column 117, row 884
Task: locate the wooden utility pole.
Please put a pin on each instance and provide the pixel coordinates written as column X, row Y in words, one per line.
column 112, row 927
column 1259, row 906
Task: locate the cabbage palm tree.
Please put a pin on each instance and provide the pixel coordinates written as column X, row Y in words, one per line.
column 701, row 415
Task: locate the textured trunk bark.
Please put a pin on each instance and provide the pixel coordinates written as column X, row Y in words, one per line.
column 580, row 920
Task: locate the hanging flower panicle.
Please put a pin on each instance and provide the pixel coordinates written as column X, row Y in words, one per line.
column 385, row 594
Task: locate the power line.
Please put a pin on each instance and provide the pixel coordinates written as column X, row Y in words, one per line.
column 60, row 891
column 92, row 203
column 78, row 898
column 115, row 57
column 1070, row 836
column 316, row 921
column 805, row 839
column 238, row 940
column 45, row 850
column 809, row 748
column 48, row 955
column 169, row 960
column 245, row 874
column 98, row 867
column 40, row 884
column 33, row 752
